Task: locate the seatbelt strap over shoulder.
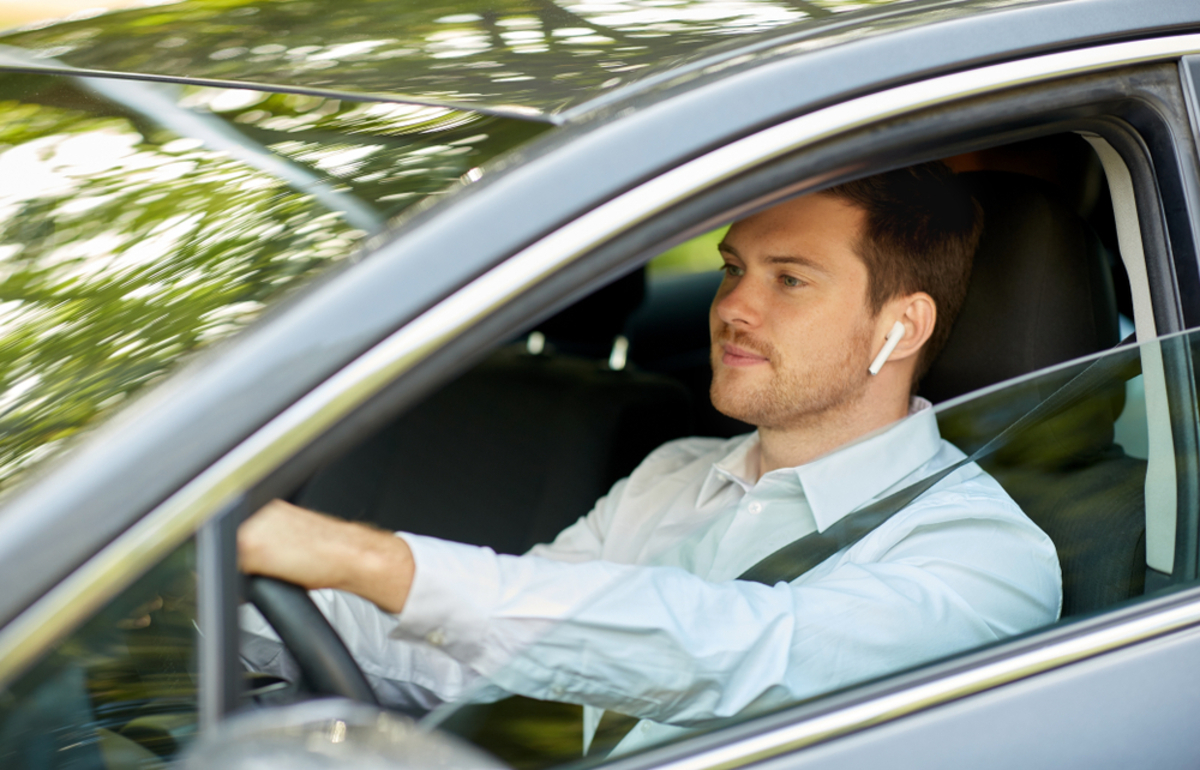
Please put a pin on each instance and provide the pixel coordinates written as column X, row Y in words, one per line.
column 799, row 556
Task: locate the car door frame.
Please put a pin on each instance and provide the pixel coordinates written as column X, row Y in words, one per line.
column 1013, row 663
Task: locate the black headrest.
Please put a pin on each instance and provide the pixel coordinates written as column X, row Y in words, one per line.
column 1041, row 290
column 588, row 327
column 1041, row 293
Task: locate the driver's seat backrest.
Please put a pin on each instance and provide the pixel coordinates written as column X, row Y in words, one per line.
column 518, row 447
column 1041, row 293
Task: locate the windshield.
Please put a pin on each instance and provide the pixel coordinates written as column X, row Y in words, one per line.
column 640, row 661
column 142, row 222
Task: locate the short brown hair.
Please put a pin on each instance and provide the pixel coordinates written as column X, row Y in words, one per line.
column 921, row 231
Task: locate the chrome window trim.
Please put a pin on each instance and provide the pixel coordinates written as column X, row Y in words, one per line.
column 104, row 575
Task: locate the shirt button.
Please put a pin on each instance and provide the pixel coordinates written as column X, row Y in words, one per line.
column 754, row 507
column 436, row 637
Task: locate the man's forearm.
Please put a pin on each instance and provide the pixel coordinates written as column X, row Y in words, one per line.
column 316, row 551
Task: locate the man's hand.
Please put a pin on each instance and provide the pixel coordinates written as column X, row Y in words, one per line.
column 314, row 551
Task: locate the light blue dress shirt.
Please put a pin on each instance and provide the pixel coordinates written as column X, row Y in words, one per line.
column 636, row 607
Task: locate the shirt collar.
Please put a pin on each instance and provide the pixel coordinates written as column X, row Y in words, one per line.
column 852, row 475
column 738, row 466
column 846, row 478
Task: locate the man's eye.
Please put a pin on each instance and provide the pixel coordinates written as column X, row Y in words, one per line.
column 733, row 270
column 791, row 281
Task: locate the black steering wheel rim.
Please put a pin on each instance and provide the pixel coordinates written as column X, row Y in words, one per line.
column 325, row 662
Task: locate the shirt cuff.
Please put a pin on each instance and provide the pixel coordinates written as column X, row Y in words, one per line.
column 455, row 589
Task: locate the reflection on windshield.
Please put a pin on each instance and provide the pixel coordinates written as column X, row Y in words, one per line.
column 1067, row 469
column 532, row 53
column 142, row 222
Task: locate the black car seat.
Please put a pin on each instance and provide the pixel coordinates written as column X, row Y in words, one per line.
column 1041, row 293
column 518, row 447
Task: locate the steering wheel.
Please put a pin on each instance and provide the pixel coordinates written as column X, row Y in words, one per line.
column 326, row 664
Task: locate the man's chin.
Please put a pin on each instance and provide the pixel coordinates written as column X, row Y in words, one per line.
column 737, row 395
column 743, row 406
column 747, row 414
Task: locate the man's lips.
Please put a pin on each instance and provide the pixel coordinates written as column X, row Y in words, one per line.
column 735, row 356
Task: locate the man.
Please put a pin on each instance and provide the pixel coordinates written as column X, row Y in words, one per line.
column 636, row 607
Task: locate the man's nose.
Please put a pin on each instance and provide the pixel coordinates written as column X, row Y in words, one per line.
column 739, row 305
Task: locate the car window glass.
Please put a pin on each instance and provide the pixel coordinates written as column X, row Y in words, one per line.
column 119, row 693
column 1067, row 471
column 142, row 222
column 1129, row 431
column 693, row 256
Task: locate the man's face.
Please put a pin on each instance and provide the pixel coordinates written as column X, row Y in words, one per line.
column 792, row 334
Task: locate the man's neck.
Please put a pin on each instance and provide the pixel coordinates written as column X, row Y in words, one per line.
column 820, row 434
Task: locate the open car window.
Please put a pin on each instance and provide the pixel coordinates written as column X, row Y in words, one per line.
column 516, row 450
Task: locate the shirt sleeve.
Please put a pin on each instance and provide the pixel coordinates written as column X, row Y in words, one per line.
column 663, row 644
column 405, row 671
column 409, row 675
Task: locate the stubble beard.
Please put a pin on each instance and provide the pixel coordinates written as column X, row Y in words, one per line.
column 793, row 395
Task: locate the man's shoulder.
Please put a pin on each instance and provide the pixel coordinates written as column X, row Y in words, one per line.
column 966, row 508
column 666, row 483
column 967, row 492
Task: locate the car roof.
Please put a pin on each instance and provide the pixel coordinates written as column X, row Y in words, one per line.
column 539, row 60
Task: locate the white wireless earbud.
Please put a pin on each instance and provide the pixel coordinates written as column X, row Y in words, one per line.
column 890, row 342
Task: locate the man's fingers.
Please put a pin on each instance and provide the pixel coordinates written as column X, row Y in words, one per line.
column 252, row 536
column 312, row 550
column 285, row 541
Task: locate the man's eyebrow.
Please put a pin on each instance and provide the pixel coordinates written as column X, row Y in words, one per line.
column 790, row 259
column 796, row 260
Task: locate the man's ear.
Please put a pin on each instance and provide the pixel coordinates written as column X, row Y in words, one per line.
column 918, row 313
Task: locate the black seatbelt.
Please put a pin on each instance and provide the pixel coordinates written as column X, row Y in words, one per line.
column 794, row 559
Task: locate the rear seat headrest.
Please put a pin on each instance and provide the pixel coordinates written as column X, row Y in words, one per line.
column 588, row 327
